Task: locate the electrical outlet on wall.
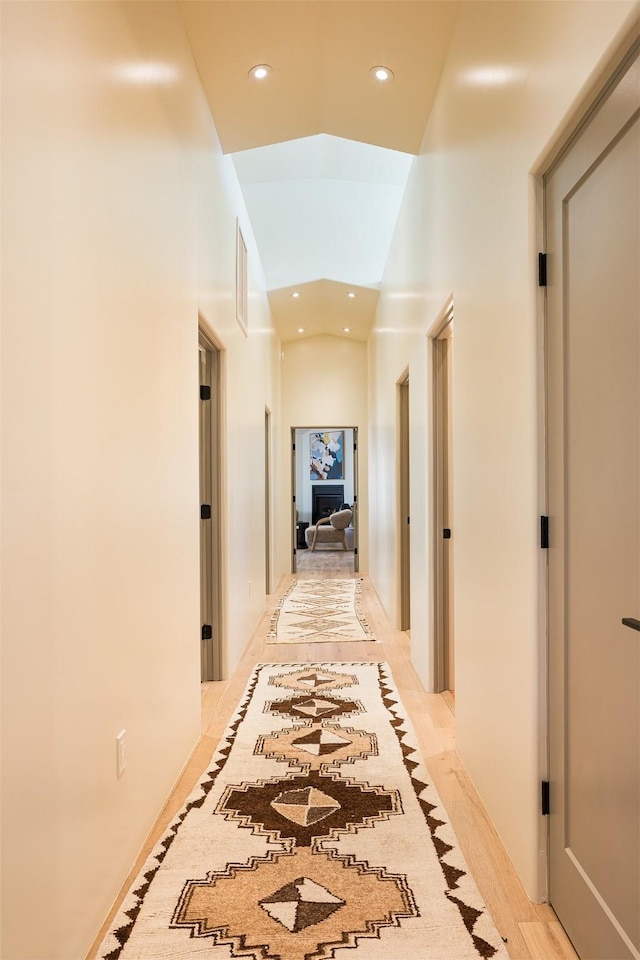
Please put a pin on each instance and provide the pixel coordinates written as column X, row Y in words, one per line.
column 121, row 753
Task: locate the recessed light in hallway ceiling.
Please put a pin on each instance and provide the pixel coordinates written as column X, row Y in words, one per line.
column 383, row 74
column 260, row 72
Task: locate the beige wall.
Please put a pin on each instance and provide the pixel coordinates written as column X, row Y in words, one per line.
column 118, row 226
column 468, row 228
column 324, row 383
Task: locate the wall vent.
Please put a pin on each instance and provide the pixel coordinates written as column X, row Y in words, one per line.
column 242, row 291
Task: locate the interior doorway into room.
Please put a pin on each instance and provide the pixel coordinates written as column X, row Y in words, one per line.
column 442, row 485
column 592, row 207
column 404, row 505
column 267, row 500
column 209, row 454
column 324, row 478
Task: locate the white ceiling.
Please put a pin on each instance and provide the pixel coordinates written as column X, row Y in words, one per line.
column 322, row 149
column 322, row 208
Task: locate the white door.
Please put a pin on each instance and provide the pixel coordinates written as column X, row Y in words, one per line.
column 592, row 205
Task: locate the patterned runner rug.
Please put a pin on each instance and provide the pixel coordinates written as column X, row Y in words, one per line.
column 314, row 835
column 320, row 611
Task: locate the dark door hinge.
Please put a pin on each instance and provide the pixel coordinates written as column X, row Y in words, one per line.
column 542, row 269
column 355, row 551
column 544, row 533
column 446, row 534
column 207, row 631
column 544, row 798
column 205, row 511
column 205, row 391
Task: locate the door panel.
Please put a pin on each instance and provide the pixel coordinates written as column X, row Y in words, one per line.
column 209, row 453
column 592, row 205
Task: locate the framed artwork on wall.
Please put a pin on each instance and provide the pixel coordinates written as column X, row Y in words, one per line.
column 326, row 455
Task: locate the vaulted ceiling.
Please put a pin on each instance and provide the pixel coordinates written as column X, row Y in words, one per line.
column 321, row 147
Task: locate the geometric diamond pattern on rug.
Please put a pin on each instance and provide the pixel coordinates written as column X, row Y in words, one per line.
column 313, row 680
column 287, row 867
column 304, row 808
column 315, row 624
column 320, row 742
column 247, row 907
column 300, row 904
column 315, row 707
column 320, row 611
column 321, row 707
column 324, row 744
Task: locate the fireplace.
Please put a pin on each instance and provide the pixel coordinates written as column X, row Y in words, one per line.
column 326, row 498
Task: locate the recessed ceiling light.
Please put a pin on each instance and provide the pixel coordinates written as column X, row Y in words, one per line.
column 295, row 295
column 382, row 73
column 300, row 329
column 346, row 329
column 352, row 295
column 260, row 71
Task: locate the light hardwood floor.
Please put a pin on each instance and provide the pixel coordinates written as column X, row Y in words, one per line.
column 531, row 931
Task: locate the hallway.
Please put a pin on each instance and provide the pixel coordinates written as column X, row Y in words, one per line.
column 156, row 195
column 531, row 930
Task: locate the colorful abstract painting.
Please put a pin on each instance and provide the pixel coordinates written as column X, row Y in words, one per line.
column 326, row 455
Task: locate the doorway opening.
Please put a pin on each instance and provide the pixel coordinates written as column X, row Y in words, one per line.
column 211, row 666
column 404, row 502
column 442, row 485
column 324, row 481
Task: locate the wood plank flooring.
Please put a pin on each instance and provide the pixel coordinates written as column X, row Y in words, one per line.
column 531, row 931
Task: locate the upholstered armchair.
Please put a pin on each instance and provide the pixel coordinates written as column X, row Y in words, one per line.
column 330, row 529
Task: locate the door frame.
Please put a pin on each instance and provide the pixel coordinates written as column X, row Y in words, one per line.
column 213, row 665
column 404, row 501
column 441, row 619
column 593, row 95
column 355, row 518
